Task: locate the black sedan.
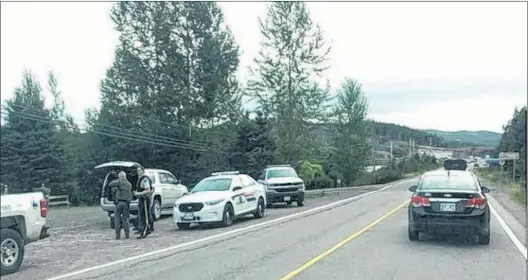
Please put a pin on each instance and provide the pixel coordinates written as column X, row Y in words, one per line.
column 449, row 201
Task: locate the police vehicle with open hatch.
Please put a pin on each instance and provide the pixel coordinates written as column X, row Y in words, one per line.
column 220, row 199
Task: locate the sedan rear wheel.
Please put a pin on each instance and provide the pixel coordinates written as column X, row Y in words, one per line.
column 484, row 239
column 413, row 234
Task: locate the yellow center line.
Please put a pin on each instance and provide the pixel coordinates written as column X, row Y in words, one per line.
column 341, row 243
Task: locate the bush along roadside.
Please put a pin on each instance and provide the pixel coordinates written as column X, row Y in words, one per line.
column 404, row 168
column 396, row 170
column 516, row 189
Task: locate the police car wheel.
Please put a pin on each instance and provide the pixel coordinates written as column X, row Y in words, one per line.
column 259, row 212
column 229, row 215
column 12, row 251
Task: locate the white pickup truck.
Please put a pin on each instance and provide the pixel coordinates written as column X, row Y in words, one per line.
column 22, row 221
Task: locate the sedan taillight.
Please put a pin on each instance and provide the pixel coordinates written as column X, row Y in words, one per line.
column 476, row 202
column 420, row 201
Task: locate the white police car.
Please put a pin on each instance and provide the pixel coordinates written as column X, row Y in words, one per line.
column 220, row 198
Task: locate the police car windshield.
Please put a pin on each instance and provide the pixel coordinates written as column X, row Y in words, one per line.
column 451, row 182
column 220, row 184
column 278, row 173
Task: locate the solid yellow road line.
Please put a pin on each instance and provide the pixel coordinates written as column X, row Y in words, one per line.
column 341, row 243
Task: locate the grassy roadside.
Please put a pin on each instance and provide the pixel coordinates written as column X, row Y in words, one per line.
column 515, row 189
column 319, row 193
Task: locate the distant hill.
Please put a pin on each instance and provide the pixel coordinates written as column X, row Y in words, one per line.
column 485, row 138
column 384, row 132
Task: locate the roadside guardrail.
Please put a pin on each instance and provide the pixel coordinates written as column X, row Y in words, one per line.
column 55, row 200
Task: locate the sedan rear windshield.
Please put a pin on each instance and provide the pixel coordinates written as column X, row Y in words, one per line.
column 451, row 182
column 221, row 184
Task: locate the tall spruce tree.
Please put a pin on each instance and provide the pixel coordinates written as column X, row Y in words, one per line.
column 173, row 76
column 30, row 153
column 285, row 78
column 350, row 132
column 254, row 147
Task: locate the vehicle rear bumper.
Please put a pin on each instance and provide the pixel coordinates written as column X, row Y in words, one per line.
column 449, row 224
column 109, row 206
column 273, row 196
column 44, row 232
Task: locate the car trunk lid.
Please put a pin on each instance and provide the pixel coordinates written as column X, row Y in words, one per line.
column 450, row 201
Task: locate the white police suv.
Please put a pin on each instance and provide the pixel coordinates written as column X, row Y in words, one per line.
column 220, row 198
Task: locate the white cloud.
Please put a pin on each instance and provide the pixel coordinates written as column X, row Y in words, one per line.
column 75, row 40
column 379, row 44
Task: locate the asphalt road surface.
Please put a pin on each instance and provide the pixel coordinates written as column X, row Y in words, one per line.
column 298, row 249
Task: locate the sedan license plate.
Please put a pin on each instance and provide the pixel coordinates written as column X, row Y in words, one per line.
column 188, row 216
column 287, row 198
column 448, row 207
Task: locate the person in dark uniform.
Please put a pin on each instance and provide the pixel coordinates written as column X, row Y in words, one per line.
column 144, row 193
column 122, row 198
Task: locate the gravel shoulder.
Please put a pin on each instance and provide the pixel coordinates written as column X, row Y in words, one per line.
column 81, row 236
column 503, row 196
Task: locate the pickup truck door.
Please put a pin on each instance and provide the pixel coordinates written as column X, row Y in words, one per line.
column 167, row 190
column 176, row 188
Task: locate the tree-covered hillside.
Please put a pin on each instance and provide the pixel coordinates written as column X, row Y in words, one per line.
column 483, row 138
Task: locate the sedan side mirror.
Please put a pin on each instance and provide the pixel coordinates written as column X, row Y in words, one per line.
column 237, row 188
column 485, row 190
column 178, row 182
column 413, row 188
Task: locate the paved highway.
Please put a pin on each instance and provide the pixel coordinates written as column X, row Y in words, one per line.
column 369, row 240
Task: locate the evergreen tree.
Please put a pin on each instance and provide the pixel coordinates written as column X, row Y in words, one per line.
column 514, row 140
column 350, row 132
column 285, row 80
column 173, row 76
column 254, row 147
column 30, row 153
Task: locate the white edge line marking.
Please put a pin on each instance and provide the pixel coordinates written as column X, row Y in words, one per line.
column 509, row 232
column 223, row 234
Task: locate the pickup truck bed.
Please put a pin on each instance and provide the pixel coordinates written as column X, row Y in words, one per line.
column 22, row 221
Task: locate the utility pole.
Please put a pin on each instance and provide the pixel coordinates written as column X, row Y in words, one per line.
column 410, row 147
column 391, row 151
column 430, row 146
column 373, row 161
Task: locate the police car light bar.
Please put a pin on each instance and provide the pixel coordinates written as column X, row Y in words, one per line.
column 278, row 165
column 225, row 173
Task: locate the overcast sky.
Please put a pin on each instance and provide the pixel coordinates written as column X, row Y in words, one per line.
column 446, row 66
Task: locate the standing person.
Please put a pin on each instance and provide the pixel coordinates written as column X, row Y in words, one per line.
column 122, row 198
column 144, row 194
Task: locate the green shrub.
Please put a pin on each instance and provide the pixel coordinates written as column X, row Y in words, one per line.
column 321, row 182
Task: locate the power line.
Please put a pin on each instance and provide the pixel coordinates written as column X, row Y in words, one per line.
column 115, row 135
column 173, row 140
